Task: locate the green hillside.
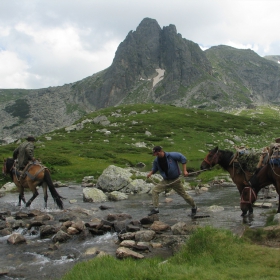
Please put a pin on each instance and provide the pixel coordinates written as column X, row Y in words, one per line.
column 88, row 151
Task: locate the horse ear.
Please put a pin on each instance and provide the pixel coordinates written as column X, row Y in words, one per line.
column 216, row 149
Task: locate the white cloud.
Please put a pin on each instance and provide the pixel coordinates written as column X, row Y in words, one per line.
column 50, row 42
column 13, row 71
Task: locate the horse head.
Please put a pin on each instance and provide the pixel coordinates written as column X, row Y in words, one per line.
column 247, row 199
column 210, row 160
column 7, row 166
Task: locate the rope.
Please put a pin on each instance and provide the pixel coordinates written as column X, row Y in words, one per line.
column 272, row 168
column 179, row 178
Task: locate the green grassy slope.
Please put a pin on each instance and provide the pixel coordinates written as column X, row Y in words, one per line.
column 88, row 151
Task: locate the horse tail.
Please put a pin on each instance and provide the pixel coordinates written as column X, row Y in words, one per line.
column 57, row 198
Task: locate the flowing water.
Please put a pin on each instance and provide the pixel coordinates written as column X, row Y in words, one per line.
column 35, row 260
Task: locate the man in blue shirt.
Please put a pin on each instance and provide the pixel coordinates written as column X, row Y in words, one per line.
column 167, row 165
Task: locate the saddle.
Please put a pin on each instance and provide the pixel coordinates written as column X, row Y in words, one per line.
column 21, row 174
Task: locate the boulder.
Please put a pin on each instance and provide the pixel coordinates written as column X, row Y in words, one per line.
column 114, row 178
column 9, row 187
column 94, row 195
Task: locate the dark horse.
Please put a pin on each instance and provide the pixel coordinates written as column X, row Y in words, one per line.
column 269, row 174
column 36, row 175
column 248, row 184
column 238, row 175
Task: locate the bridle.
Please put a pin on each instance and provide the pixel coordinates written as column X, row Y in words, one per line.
column 252, row 196
column 210, row 163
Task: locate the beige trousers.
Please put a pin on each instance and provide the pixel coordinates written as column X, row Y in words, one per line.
column 177, row 186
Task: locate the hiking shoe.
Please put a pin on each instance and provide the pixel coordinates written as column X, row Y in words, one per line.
column 193, row 212
column 153, row 212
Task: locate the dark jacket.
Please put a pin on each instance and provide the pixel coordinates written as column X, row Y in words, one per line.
column 24, row 153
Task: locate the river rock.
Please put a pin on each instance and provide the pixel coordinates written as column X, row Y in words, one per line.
column 116, row 196
column 128, row 243
column 114, row 178
column 47, row 230
column 216, row 208
column 127, row 236
column 61, row 237
column 118, row 217
column 6, row 231
column 16, row 238
column 94, row 195
column 123, row 252
column 159, row 226
column 8, row 187
column 3, row 271
column 263, row 205
column 182, row 228
column 72, row 231
column 79, row 225
column 144, row 235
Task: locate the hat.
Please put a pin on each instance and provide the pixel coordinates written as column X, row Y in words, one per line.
column 157, row 149
column 30, row 138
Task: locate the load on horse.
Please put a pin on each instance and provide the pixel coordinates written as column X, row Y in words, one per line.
column 27, row 172
column 246, row 177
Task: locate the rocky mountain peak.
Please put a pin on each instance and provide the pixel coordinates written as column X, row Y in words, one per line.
column 151, row 65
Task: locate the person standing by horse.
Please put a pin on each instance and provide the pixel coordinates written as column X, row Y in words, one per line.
column 24, row 153
column 167, row 163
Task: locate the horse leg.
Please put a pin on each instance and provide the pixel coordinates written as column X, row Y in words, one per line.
column 35, row 194
column 251, row 210
column 21, row 196
column 244, row 213
column 45, row 190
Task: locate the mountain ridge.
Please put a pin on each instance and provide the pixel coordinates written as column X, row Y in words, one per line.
column 217, row 79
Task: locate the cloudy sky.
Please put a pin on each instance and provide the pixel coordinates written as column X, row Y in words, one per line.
column 54, row 42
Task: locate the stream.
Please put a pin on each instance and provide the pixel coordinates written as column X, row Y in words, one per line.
column 34, row 259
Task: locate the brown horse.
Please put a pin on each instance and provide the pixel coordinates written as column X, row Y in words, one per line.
column 269, row 174
column 36, row 175
column 224, row 158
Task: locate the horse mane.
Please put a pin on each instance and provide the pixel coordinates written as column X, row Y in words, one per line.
column 226, row 158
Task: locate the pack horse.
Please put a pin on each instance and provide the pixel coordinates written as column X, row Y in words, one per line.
column 36, row 175
column 248, row 183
